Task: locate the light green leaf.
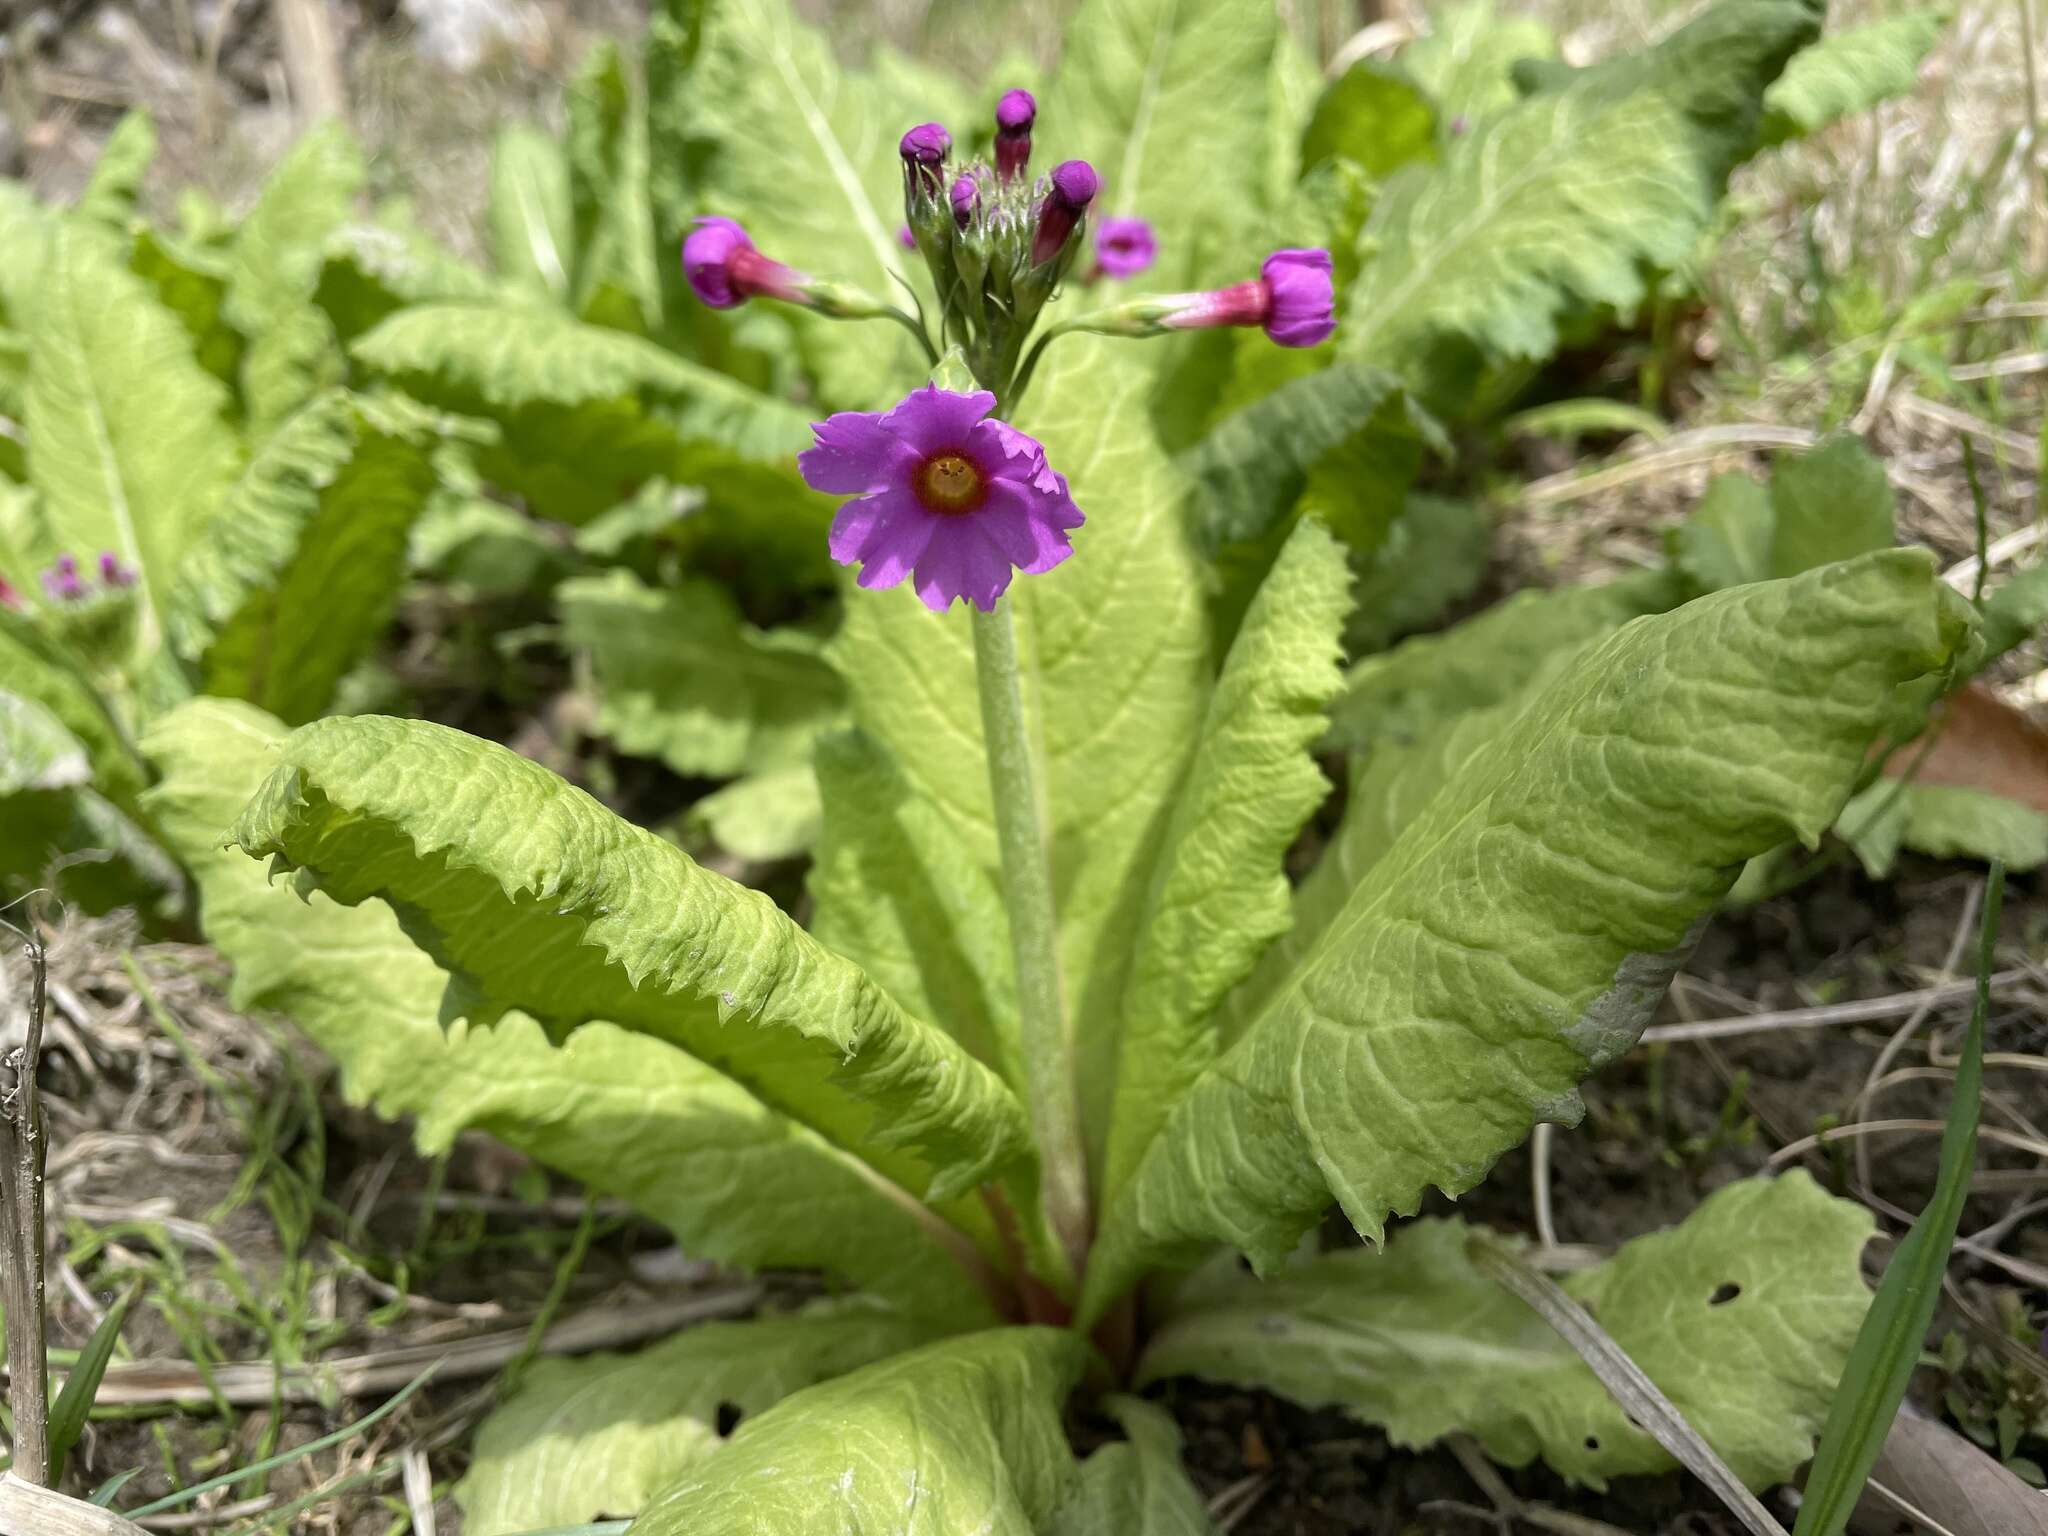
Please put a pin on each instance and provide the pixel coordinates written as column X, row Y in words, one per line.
column 192, row 283
column 1292, row 88
column 1433, row 556
column 127, row 442
column 371, row 271
column 24, row 237
column 600, row 1436
column 299, row 573
column 1115, row 660
column 1830, row 504
column 775, row 814
column 1851, row 71
column 622, row 1111
column 89, row 853
column 36, row 751
column 961, row 1438
column 1218, row 893
column 1373, row 116
column 1466, row 58
column 1139, row 82
column 1563, row 198
column 1136, row 1487
column 1743, row 1315
column 608, row 189
column 536, row 897
column 532, row 230
column 2015, row 610
column 109, row 197
column 35, row 666
column 1727, row 540
column 1944, row 821
column 683, row 677
column 1518, row 934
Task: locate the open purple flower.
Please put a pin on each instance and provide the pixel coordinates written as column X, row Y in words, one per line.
column 1125, row 247
column 940, row 490
column 725, row 270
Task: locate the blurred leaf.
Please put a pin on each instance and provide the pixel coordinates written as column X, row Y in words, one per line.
column 609, row 173
column 1373, row 116
column 1850, row 71
column 1434, row 555
column 24, row 238
column 1743, row 1315
column 1136, row 1486
column 1888, row 1345
column 1464, row 60
column 82, row 1384
column 36, row 751
column 1727, row 540
column 109, row 196
column 763, row 817
column 192, row 283
column 1570, row 420
column 1829, row 504
column 602, row 1435
column 1942, row 821
column 531, row 226
column 370, row 271
column 2015, row 610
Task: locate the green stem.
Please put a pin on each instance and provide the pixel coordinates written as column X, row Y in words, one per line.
column 1027, row 893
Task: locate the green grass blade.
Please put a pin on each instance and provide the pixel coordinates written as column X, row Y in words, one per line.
column 82, row 1385
column 104, row 1494
column 1888, row 1346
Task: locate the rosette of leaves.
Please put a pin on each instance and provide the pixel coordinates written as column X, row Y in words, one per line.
column 175, row 402
column 850, row 1098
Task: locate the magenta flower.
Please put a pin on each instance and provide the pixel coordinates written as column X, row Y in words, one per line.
column 905, row 238
column 1015, row 114
column 1073, row 187
column 939, row 489
column 725, row 270
column 966, row 196
column 1125, row 247
column 62, row 581
column 924, row 150
column 112, row 572
column 1292, row 299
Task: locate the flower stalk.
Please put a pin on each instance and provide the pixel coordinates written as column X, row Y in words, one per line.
column 1021, row 832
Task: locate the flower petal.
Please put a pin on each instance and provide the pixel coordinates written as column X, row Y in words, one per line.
column 934, row 420
column 885, row 533
column 856, row 455
column 1025, row 527
column 961, row 561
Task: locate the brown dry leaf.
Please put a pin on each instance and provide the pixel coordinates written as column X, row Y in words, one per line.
column 1943, row 1475
column 1982, row 743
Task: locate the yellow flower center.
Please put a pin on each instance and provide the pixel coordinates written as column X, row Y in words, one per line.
column 949, row 483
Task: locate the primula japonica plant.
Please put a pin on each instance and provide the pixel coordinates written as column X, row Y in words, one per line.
column 1060, row 1042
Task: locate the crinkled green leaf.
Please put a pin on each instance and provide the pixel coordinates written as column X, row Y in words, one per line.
column 1518, row 934
column 299, row 573
column 616, row 280
column 599, row 1436
column 1944, row 821
column 1115, row 664
column 531, row 228
column 683, row 677
column 538, row 898
column 1829, row 504
column 109, row 196
column 960, row 1438
column 1727, row 540
column 127, row 442
column 1375, row 117
column 1218, row 892
column 588, row 413
column 1139, row 82
column 1137, row 1486
column 1563, row 198
column 1851, row 71
column 1743, row 1315
column 1465, row 60
column 371, row 271
column 622, row 1111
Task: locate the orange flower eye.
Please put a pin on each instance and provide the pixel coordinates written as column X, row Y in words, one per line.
column 947, row 482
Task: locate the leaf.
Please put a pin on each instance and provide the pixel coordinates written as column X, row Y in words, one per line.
column 1850, row 71
column 109, row 196
column 36, row 751
column 1742, row 1315
column 192, row 283
column 625, row 1113
column 1465, row 60
column 1373, row 116
column 1518, row 934
column 608, row 190
column 127, row 444
column 1115, row 661
column 1944, row 822
column 960, row 1438
column 1433, row 556
column 1218, row 893
column 36, row 669
column 536, row 897
column 1136, row 1487
column 763, row 817
column 1830, row 504
column 1139, row 82
column 1727, row 540
column 2014, row 611
column 1562, row 199
column 532, row 235
column 1888, row 1345
column 82, row 1384
column 570, row 395
column 371, row 271
column 24, row 240
column 599, row 1436
column 299, row 574
column 682, row 677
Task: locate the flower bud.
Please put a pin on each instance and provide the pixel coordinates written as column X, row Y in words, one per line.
column 1073, row 187
column 62, row 582
column 1291, row 300
column 966, row 197
column 724, row 269
column 924, row 150
column 1015, row 114
column 112, row 572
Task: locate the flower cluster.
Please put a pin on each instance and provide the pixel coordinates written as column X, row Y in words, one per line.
column 943, row 492
column 63, row 582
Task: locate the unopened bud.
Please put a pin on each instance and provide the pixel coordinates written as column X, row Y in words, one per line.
column 966, row 198
column 1015, row 114
column 924, row 150
column 1073, row 187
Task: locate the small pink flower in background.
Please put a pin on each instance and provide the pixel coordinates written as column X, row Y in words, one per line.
column 905, row 238
column 1292, row 299
column 1125, row 247
column 9, row 598
column 941, row 491
column 725, row 270
column 62, row 581
column 112, row 572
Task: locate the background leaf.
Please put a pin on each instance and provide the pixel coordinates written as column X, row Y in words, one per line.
column 1850, row 71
